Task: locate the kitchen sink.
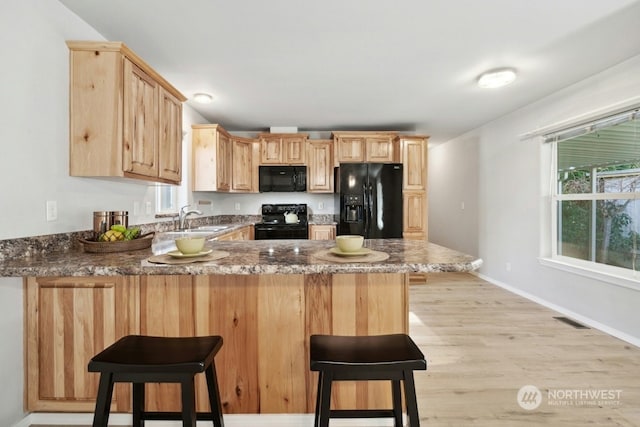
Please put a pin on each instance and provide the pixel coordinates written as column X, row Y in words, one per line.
column 185, row 233
column 210, row 228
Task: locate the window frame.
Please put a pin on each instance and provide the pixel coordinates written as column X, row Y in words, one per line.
column 625, row 277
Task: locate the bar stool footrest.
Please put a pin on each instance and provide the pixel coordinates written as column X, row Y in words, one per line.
column 173, row 416
column 362, row 413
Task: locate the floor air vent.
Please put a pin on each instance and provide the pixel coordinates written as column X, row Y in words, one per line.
column 571, row 322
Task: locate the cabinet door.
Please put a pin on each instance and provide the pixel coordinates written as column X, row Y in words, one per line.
column 294, row 150
column 415, row 215
column 271, row 151
column 211, row 158
column 140, row 137
column 68, row 321
column 322, row 232
column 242, row 168
column 414, row 159
column 380, row 150
column 170, row 138
column 320, row 166
column 350, row 149
column 223, row 163
column 244, row 233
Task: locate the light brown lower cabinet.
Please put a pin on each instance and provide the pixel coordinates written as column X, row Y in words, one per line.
column 415, row 215
column 244, row 233
column 322, row 232
column 265, row 321
column 67, row 321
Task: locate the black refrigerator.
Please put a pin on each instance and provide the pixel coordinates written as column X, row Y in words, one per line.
column 369, row 199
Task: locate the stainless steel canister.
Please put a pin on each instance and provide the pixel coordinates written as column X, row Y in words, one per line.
column 103, row 220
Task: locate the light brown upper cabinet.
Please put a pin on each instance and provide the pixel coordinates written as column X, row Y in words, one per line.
column 283, row 148
column 125, row 120
column 223, row 162
column 243, row 168
column 320, row 166
column 211, row 158
column 414, row 159
column 374, row 147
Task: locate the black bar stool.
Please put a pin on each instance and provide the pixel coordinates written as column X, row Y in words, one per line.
column 141, row 359
column 360, row 358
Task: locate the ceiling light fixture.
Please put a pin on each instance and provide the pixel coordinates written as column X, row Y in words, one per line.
column 497, row 78
column 202, row 98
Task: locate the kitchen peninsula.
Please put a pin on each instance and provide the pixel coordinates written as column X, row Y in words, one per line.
column 265, row 298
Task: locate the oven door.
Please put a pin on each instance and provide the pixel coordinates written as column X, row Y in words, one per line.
column 267, row 232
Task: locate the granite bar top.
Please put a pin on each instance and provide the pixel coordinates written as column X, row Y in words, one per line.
column 246, row 257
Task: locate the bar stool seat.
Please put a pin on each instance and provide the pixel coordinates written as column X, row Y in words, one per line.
column 382, row 357
column 141, row 359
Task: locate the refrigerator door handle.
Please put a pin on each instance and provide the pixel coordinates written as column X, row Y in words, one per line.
column 371, row 207
column 365, row 202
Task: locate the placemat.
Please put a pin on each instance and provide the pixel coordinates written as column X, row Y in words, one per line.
column 373, row 256
column 168, row 259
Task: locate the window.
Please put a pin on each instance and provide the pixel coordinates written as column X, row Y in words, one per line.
column 596, row 202
column 166, row 199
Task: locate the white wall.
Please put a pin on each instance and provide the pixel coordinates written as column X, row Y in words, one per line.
column 512, row 213
column 453, row 194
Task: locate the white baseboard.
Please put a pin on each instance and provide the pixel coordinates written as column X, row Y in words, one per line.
column 232, row 420
column 580, row 318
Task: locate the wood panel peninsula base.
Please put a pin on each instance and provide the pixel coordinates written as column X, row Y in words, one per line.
column 265, row 321
column 265, row 299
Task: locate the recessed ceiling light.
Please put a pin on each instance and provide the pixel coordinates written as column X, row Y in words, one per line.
column 202, row 98
column 497, row 78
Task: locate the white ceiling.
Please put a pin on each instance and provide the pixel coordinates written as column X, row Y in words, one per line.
column 407, row 65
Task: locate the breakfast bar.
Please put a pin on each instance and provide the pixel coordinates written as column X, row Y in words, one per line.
column 265, row 298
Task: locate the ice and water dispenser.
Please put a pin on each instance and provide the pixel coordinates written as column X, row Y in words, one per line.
column 353, row 208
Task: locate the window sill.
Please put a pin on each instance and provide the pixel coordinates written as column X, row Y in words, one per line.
column 617, row 276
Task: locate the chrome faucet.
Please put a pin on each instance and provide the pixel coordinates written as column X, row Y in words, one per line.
column 184, row 213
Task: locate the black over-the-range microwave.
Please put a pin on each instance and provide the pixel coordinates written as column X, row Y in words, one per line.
column 283, row 178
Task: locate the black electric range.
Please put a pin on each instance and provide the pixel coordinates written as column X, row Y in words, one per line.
column 274, row 226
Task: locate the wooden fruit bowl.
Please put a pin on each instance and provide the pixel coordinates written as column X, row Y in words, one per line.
column 142, row 242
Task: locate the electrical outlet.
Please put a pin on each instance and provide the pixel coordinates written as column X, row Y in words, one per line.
column 136, row 208
column 147, row 208
column 320, row 206
column 52, row 210
column 507, row 266
column 237, row 206
column 462, row 205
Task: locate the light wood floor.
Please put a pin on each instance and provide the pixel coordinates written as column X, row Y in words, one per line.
column 483, row 344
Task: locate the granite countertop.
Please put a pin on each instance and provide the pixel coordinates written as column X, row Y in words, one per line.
column 246, row 257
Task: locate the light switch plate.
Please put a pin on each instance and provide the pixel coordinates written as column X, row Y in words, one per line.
column 52, row 210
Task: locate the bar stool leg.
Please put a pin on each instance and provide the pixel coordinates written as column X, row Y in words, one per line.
column 397, row 402
column 138, row 404
column 410, row 397
column 188, row 402
column 214, row 395
column 325, row 399
column 103, row 401
column 316, row 419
